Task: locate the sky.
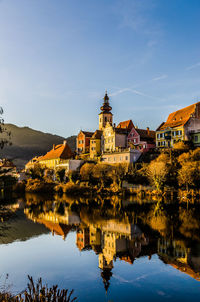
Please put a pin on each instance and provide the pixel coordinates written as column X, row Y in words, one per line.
column 57, row 58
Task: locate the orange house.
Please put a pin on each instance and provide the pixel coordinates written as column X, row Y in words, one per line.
column 83, row 142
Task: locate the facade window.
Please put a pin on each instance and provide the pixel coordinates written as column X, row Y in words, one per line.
column 105, row 119
column 180, row 132
column 196, row 138
column 126, row 157
column 134, row 140
column 144, row 146
column 121, row 158
column 158, row 143
column 114, row 159
column 158, row 135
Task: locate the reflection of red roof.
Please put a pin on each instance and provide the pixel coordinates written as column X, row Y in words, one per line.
column 59, row 151
column 126, row 125
column 57, row 228
column 180, row 117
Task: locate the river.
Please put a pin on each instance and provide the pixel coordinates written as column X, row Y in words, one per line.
column 106, row 249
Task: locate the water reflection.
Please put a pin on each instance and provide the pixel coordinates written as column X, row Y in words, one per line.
column 119, row 229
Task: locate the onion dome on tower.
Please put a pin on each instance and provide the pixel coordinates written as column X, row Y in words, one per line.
column 106, row 108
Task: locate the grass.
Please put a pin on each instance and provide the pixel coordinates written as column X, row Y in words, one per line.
column 37, row 292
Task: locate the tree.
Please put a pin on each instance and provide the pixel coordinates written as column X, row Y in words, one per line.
column 86, row 171
column 157, row 173
column 37, row 172
column 102, row 172
column 189, row 174
column 60, row 175
column 4, row 134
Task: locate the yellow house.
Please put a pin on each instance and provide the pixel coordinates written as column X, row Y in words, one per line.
column 56, row 156
column 179, row 126
column 95, row 144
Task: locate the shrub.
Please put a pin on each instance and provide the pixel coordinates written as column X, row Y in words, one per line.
column 86, row 171
column 36, row 291
column 37, row 185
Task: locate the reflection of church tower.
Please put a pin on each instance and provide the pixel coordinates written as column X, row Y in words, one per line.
column 105, row 115
column 106, row 273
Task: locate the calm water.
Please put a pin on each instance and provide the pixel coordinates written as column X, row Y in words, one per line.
column 106, row 250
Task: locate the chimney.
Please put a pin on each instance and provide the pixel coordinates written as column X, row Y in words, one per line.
column 53, row 147
column 148, row 130
column 64, row 142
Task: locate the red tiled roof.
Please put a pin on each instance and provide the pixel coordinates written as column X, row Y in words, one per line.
column 87, row 133
column 60, row 151
column 179, row 117
column 146, row 134
column 126, row 125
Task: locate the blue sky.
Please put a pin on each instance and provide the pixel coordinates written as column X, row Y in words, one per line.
column 57, row 57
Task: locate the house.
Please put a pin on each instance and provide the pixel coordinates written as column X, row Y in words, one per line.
column 55, row 156
column 113, row 137
column 141, row 139
column 179, row 126
column 69, row 165
column 95, row 144
column 83, row 142
column 195, row 137
column 121, row 155
column 126, row 125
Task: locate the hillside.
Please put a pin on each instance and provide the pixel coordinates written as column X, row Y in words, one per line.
column 27, row 143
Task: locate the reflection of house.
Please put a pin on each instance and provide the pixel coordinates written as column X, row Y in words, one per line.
column 59, row 224
column 82, row 238
column 178, row 126
column 176, row 254
column 111, row 239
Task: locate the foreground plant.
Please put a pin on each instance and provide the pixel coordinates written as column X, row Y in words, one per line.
column 37, row 292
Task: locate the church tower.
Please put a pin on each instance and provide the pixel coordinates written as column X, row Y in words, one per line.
column 105, row 115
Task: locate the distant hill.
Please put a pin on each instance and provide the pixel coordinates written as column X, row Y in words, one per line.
column 27, row 143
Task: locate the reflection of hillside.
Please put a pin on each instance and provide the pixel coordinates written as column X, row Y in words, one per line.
column 18, row 228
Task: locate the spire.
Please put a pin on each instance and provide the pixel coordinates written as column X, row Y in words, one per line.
column 106, row 274
column 106, row 98
column 106, row 108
